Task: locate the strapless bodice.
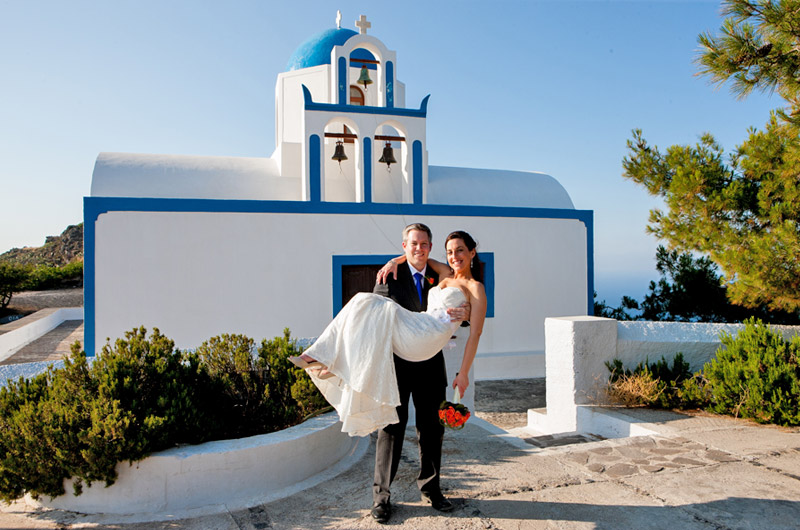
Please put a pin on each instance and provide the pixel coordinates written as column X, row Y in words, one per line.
column 441, row 299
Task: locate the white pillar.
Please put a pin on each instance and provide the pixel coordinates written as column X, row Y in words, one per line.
column 576, row 349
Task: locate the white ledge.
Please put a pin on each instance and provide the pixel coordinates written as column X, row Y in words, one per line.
column 14, row 340
column 221, row 475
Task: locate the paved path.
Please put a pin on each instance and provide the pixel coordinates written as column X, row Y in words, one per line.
column 699, row 472
column 52, row 346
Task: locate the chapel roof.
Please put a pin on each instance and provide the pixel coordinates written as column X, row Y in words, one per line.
column 316, row 50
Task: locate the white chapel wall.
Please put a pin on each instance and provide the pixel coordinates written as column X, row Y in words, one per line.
column 196, row 275
column 289, row 102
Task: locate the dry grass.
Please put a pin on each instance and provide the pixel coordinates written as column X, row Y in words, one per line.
column 634, row 390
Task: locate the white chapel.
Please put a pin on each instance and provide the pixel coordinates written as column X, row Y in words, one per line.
column 199, row 245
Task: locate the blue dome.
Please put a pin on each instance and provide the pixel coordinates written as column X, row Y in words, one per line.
column 317, row 49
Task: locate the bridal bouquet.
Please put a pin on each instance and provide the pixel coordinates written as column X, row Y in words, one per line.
column 453, row 414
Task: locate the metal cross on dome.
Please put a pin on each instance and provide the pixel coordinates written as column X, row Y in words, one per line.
column 363, row 25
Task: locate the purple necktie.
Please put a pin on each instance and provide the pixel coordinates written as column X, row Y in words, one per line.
column 418, row 281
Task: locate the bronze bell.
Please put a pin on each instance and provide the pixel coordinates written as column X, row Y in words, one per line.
column 388, row 156
column 338, row 153
column 364, row 77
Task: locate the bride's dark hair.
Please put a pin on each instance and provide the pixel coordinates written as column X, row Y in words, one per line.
column 475, row 268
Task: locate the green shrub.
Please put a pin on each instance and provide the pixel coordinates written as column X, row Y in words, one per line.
column 142, row 395
column 757, row 375
column 292, row 395
column 256, row 386
column 43, row 277
column 79, row 421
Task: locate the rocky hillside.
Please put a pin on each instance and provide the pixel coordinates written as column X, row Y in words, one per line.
column 56, row 251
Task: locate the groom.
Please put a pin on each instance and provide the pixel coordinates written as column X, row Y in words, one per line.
column 426, row 381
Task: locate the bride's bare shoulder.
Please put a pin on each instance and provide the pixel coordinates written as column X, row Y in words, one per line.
column 476, row 287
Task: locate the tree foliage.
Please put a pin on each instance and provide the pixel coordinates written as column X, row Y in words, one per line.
column 12, row 278
column 741, row 210
column 756, row 50
column 690, row 289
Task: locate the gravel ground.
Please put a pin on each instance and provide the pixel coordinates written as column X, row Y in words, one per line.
column 505, row 403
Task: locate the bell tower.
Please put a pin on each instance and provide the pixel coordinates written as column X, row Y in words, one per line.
column 342, row 128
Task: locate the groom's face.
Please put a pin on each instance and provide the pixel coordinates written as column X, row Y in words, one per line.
column 417, row 246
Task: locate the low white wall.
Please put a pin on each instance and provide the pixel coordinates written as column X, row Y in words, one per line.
column 14, row 340
column 218, row 476
column 639, row 342
column 577, row 348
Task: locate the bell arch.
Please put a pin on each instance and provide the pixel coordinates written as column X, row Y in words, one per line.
column 342, row 180
column 391, row 183
column 381, row 92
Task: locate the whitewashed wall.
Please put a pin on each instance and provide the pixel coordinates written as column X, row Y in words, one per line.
column 196, row 275
column 289, row 100
column 578, row 348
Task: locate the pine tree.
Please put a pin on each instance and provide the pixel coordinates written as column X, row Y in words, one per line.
column 742, row 211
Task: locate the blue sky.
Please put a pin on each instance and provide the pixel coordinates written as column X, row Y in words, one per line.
column 554, row 87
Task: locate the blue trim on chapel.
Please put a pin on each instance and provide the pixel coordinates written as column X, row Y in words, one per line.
column 422, row 112
column 390, row 84
column 315, row 168
column 416, row 172
column 93, row 207
column 343, row 88
column 90, row 215
column 367, row 169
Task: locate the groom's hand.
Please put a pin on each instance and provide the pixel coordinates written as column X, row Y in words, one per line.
column 457, row 314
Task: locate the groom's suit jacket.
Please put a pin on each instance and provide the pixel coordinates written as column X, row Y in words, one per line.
column 404, row 291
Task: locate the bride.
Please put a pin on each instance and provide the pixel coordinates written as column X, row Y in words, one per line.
column 351, row 362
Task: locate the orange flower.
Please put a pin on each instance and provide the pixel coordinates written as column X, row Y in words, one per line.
column 453, row 415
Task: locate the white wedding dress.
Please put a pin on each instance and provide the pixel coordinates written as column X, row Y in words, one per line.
column 357, row 348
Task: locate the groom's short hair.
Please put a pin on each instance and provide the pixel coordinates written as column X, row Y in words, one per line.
column 417, row 226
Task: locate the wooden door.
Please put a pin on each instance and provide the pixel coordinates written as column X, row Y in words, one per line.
column 357, row 279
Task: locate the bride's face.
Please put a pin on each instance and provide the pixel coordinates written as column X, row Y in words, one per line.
column 458, row 256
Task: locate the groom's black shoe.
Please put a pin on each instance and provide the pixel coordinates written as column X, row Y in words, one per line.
column 438, row 501
column 381, row 512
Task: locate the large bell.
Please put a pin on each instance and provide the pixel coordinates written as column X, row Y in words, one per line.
column 338, row 153
column 388, row 156
column 364, row 77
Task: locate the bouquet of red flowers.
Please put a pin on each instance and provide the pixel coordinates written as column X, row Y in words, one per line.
column 453, row 414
